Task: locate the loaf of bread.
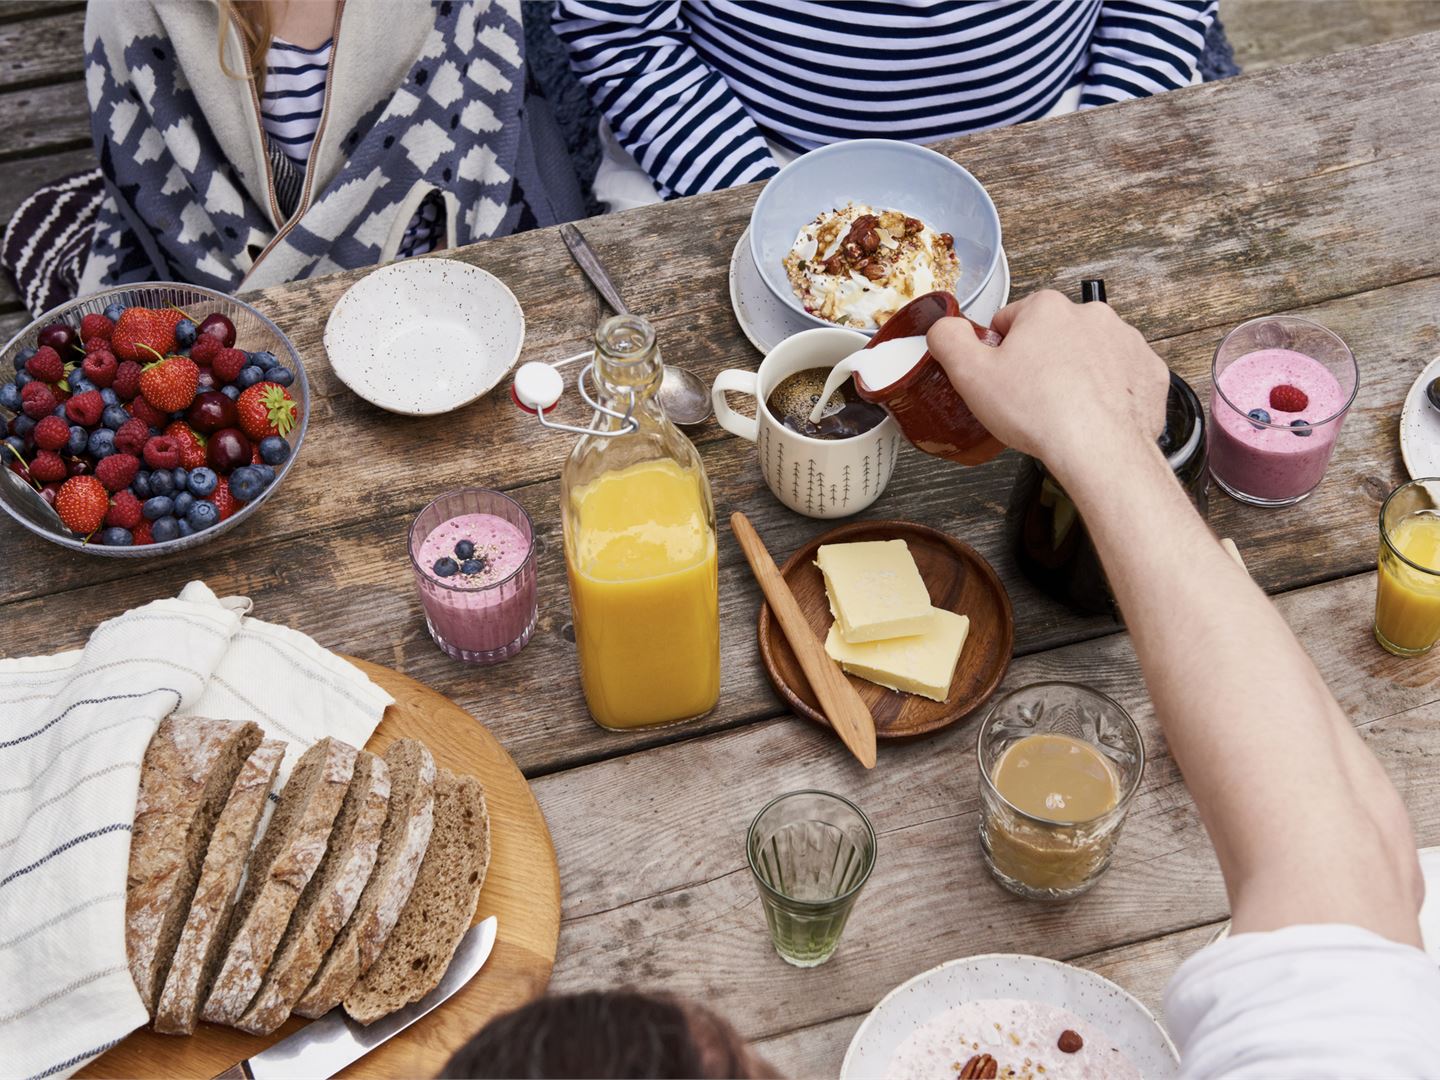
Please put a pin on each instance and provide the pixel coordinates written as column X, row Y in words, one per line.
column 281, row 866
column 199, row 950
column 441, row 905
column 329, row 900
column 402, row 849
column 187, row 774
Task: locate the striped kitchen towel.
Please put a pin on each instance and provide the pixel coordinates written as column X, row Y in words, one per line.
column 73, row 730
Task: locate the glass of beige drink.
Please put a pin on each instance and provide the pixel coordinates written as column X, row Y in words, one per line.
column 1059, row 765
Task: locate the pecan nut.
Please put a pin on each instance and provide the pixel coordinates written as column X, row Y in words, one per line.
column 1070, row 1041
column 979, row 1067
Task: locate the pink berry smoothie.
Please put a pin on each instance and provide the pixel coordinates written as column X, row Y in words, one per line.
column 487, row 614
column 1274, row 462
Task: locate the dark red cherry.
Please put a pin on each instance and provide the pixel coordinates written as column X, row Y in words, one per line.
column 228, row 450
column 212, row 411
column 219, row 327
column 59, row 337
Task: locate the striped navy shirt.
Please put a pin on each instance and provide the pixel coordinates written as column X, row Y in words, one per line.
column 694, row 90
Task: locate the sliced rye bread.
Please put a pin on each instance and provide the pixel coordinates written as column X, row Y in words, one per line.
column 199, row 951
column 329, row 900
column 440, row 908
column 402, row 849
column 280, row 867
column 185, row 778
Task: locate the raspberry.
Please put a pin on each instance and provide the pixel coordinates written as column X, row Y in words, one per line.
column 98, row 344
column 95, row 326
column 84, row 409
column 143, row 410
column 82, row 503
column 38, row 400
column 51, row 433
column 1284, row 398
column 206, row 349
column 124, row 512
column 227, row 364
column 117, row 471
column 47, row 467
column 127, row 380
column 100, row 367
column 162, row 452
column 132, row 436
column 45, row 365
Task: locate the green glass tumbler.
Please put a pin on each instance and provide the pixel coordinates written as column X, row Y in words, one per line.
column 811, row 853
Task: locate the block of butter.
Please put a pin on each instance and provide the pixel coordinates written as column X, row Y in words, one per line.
column 920, row 664
column 874, row 589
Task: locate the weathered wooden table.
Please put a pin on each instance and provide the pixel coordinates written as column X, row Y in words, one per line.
column 1308, row 189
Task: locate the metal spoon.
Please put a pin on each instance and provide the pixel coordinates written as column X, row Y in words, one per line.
column 32, row 505
column 683, row 394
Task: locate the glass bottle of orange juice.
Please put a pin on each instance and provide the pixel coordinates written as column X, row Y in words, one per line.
column 640, row 548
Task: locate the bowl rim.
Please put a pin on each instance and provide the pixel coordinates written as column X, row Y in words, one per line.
column 344, row 373
column 180, row 543
column 900, row 146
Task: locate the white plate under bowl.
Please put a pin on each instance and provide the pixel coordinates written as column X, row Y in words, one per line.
column 1093, row 998
column 767, row 322
column 1420, row 427
column 425, row 336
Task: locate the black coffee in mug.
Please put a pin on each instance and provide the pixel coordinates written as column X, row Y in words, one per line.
column 846, row 414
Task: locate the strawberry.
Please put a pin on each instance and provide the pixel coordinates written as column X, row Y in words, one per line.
column 84, row 409
column 266, row 409
column 100, row 367
column 141, row 533
column 47, row 467
column 45, row 365
column 82, row 503
column 127, row 380
column 117, row 470
column 153, row 417
column 93, row 327
column 143, row 334
column 38, row 400
column 51, row 433
column 162, row 452
column 124, row 510
column 206, row 349
column 192, row 445
column 227, row 363
column 131, row 437
column 224, row 502
column 1284, row 398
column 170, row 384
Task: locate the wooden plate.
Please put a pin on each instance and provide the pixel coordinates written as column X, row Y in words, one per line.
column 522, row 887
column 958, row 579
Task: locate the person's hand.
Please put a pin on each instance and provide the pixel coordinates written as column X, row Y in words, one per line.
column 1070, row 381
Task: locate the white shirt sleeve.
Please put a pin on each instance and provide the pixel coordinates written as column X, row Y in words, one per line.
column 1306, row 1001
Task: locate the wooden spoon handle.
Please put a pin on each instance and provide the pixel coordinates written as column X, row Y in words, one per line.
column 842, row 705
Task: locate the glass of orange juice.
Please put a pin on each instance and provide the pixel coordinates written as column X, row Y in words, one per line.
column 1407, row 589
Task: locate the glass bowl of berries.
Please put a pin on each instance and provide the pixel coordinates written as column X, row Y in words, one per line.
column 147, row 419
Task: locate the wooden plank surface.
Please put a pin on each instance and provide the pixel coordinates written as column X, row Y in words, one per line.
column 657, row 893
column 1268, row 33
column 46, row 46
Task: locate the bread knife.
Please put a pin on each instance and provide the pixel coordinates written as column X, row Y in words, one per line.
column 323, row 1047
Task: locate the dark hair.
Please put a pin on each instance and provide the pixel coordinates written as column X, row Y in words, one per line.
column 610, row 1035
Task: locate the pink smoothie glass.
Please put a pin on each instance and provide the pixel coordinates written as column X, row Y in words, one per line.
column 1281, row 389
column 484, row 613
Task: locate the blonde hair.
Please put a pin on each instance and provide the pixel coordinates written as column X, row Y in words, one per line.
column 256, row 22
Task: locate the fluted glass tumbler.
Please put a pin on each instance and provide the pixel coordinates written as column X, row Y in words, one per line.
column 811, row 853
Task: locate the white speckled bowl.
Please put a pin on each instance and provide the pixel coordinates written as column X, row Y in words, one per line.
column 1420, row 427
column 425, row 336
column 1092, row 997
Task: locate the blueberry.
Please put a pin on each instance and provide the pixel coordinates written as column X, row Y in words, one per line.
column 182, row 479
column 473, row 566
column 59, row 410
column 107, row 395
column 116, row 537
column 465, row 549
column 274, row 450
column 264, row 360
column 79, row 439
column 114, row 417
column 446, row 567
column 202, row 515
column 158, row 506
column 1260, row 416
column 203, row 482
column 23, row 379
column 185, row 332
column 245, row 483
column 266, row 474
column 232, row 392
column 10, row 397
column 280, row 375
column 114, row 311
column 23, row 356
column 22, row 425
column 186, row 529
column 79, row 384
column 141, row 485
column 1302, row 428
column 17, row 449
column 183, row 502
column 162, row 482
column 101, row 443
column 248, row 377
column 167, row 528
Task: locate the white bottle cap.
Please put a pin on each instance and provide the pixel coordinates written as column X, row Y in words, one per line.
column 537, row 387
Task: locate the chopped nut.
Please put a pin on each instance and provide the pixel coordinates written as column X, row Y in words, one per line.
column 1070, row 1041
column 1015, row 1039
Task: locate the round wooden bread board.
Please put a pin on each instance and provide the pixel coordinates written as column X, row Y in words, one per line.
column 958, row 578
column 522, row 888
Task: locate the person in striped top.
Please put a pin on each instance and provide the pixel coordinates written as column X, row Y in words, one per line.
column 697, row 97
